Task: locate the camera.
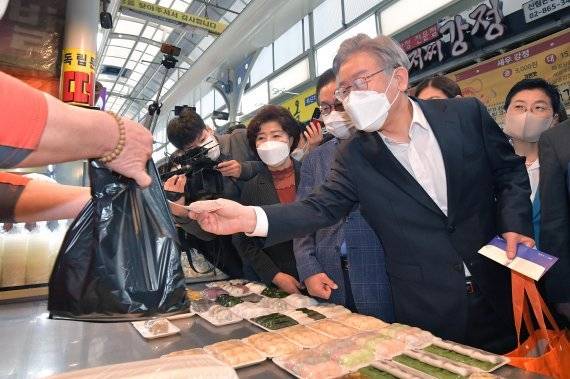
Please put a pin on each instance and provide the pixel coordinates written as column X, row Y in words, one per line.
column 203, row 181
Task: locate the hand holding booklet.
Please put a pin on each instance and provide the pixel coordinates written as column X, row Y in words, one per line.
column 529, row 262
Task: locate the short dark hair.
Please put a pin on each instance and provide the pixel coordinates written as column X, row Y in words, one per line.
column 442, row 83
column 273, row 113
column 185, row 129
column 323, row 80
column 548, row 88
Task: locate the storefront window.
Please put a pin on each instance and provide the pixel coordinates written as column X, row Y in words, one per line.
column 354, row 8
column 325, row 54
column 263, row 65
column 288, row 79
column 289, row 45
column 327, row 19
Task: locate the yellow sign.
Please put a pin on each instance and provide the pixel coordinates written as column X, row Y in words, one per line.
column 78, row 76
column 491, row 80
column 302, row 105
column 211, row 26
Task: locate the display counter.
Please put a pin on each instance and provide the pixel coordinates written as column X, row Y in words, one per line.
column 34, row 346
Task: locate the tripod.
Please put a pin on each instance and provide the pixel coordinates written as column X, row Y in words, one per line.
column 169, row 62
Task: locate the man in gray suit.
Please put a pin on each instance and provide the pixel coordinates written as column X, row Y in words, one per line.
column 344, row 263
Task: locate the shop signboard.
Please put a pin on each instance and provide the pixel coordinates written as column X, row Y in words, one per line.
column 302, row 105
column 78, row 74
column 491, row 80
column 173, row 15
column 480, row 26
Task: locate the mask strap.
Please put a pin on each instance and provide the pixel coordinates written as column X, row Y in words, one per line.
column 389, row 84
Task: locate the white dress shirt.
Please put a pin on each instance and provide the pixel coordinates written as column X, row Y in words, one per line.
column 533, row 175
column 422, row 158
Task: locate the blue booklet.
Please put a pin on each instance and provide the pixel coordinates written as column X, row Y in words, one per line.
column 529, row 262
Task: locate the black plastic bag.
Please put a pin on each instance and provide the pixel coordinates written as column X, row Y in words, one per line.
column 119, row 259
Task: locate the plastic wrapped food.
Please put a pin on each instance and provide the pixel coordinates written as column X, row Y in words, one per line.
column 238, row 281
column 382, row 346
column 221, row 314
column 310, row 365
column 274, row 321
column 431, row 365
column 274, row 304
column 212, row 293
column 415, row 338
column 272, row 344
column 201, row 306
column 330, row 310
column 311, row 313
column 333, row 329
column 466, row 355
column 228, row 300
column 297, row 300
column 299, row 316
column 186, row 353
column 249, row 310
column 201, row 366
column 362, row 322
column 256, row 287
column 235, row 353
column 193, row 295
column 252, row 298
column 304, row 336
column 274, row 292
column 157, row 326
column 347, row 353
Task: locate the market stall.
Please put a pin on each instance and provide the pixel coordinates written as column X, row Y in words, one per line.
column 42, row 347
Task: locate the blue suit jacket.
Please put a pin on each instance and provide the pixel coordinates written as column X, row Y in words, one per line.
column 320, row 251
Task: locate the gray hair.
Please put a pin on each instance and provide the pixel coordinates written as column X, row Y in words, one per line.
column 383, row 48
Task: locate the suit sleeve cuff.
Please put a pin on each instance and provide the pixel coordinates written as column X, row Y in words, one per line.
column 261, row 225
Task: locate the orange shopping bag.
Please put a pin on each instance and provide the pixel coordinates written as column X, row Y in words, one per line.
column 545, row 352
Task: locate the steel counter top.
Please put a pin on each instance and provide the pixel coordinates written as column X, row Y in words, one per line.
column 33, row 346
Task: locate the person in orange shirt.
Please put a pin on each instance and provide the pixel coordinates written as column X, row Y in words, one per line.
column 37, row 129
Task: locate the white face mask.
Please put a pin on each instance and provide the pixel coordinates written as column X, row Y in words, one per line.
column 214, row 152
column 273, row 153
column 3, row 6
column 339, row 124
column 526, row 126
column 369, row 109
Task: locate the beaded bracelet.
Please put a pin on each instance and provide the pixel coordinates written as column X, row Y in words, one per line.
column 109, row 157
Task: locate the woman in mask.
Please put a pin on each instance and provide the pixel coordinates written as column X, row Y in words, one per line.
column 532, row 106
column 273, row 133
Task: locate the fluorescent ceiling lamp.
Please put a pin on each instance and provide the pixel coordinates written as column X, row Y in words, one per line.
column 128, row 27
column 406, row 12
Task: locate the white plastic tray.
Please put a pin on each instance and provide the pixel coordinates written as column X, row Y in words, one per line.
column 278, row 362
column 139, row 326
column 245, row 364
column 215, row 322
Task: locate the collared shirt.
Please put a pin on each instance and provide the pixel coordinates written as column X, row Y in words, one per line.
column 422, row 158
column 533, row 175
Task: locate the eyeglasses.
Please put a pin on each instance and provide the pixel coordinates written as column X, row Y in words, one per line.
column 538, row 109
column 360, row 84
column 326, row 109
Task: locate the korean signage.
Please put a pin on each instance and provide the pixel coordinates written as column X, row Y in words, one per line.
column 535, row 9
column 482, row 25
column 490, row 81
column 169, row 14
column 78, row 76
column 302, row 105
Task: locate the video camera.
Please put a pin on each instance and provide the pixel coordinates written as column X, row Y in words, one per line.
column 203, row 181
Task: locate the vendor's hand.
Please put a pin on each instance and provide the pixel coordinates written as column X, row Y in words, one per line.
column 286, row 282
column 176, row 183
column 513, row 239
column 313, row 134
column 222, row 216
column 230, row 168
column 136, row 153
column 320, row 285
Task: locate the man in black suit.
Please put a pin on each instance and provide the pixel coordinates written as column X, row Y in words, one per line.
column 436, row 180
column 554, row 189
